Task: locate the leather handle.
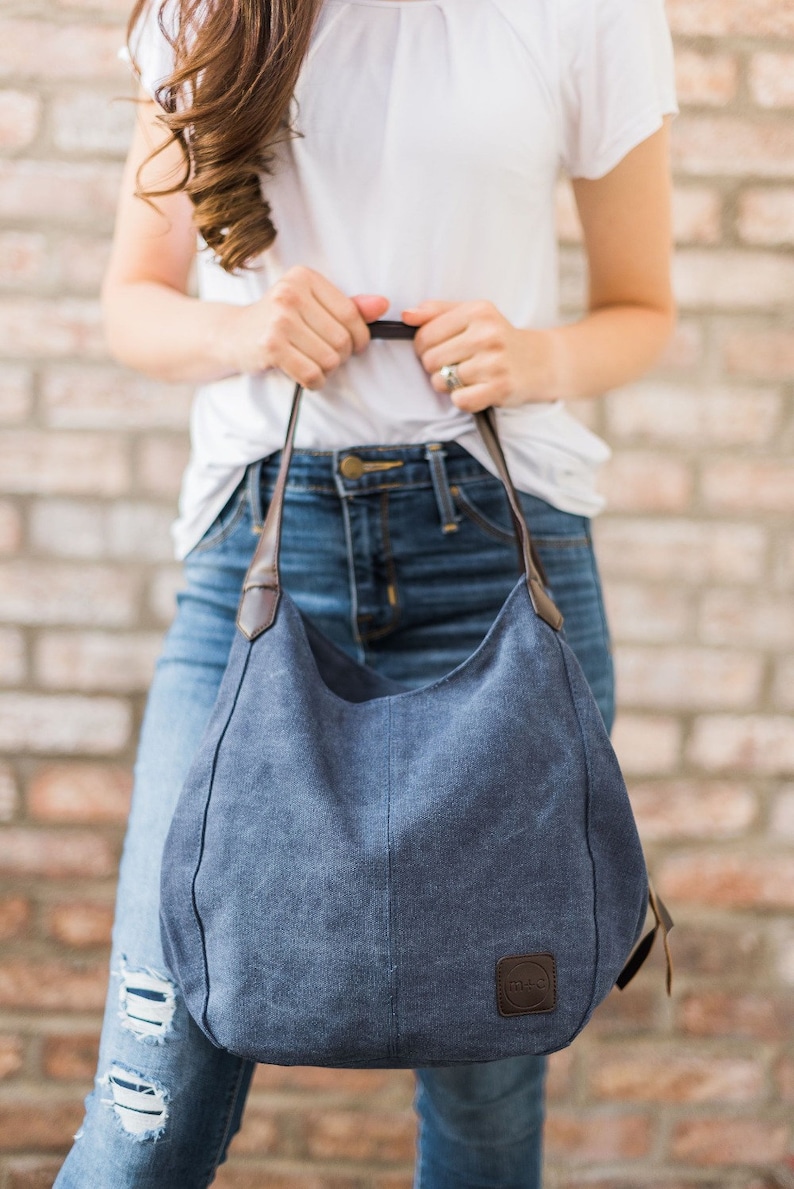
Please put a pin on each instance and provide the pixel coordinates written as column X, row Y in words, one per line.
column 262, row 586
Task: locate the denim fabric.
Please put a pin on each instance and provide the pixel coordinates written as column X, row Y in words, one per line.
column 374, row 564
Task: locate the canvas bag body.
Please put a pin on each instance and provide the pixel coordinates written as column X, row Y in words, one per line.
column 360, row 875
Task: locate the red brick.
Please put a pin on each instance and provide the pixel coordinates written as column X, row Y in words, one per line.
column 719, row 1013
column 752, row 743
column 684, row 349
column 729, row 1141
column 167, row 581
column 81, row 924
column 55, row 853
column 8, row 793
column 710, row 146
column 60, row 192
column 647, row 613
column 43, row 328
column 20, row 113
column 772, row 79
column 14, row 917
column 10, row 527
column 13, row 666
column 256, row 1176
column 717, row 880
column 763, row 485
column 740, row 18
column 709, row 79
column 306, row 1080
column 560, row 1071
column 15, row 393
column 51, row 593
column 96, row 661
column 683, row 551
column 757, row 619
column 781, row 818
column 82, row 397
column 261, row 1133
column 39, row 49
column 715, row 951
column 693, row 417
column 582, row 1138
column 23, row 258
column 673, row 809
column 160, row 464
column 49, row 985
column 121, row 529
column 645, row 482
column 92, row 122
column 646, row 744
column 687, row 678
column 766, row 216
column 67, row 723
column 31, row 1172
column 48, row 1126
column 72, row 1057
column 697, row 215
column 79, row 262
column 620, row 1015
column 360, row 1135
column 732, row 279
column 79, row 792
column 764, row 352
column 785, row 1079
column 645, row 1073
column 12, row 1054
column 69, row 528
column 120, row 7
column 629, row 1181
column 85, row 463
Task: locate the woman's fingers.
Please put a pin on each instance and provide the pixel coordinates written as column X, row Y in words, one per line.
column 310, row 326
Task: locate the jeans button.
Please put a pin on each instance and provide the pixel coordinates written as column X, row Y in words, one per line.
column 351, row 467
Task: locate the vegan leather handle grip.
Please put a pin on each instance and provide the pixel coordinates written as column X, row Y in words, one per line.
column 262, row 585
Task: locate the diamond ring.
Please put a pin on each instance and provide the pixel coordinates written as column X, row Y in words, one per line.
column 449, row 374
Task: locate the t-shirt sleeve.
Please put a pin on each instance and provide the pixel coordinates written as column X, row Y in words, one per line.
column 617, row 80
column 150, row 53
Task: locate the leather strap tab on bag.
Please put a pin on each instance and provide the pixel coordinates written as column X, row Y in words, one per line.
column 664, row 922
column 262, row 587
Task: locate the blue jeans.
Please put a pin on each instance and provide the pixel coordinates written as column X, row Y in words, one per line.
column 403, row 557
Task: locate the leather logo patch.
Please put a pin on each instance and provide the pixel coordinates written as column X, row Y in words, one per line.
column 526, row 983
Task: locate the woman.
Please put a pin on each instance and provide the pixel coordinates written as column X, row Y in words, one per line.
column 352, row 160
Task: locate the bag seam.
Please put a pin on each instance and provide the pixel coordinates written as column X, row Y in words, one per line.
column 597, row 940
column 197, row 914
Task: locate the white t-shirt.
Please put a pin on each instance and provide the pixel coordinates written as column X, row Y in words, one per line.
column 433, row 132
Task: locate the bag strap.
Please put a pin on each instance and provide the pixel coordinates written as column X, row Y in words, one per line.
column 262, row 585
column 664, row 922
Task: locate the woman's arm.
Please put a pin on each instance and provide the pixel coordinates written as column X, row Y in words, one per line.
column 628, row 240
column 303, row 325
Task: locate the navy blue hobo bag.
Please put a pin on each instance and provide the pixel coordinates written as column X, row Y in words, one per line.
column 358, row 874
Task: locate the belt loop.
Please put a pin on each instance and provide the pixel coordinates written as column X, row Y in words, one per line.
column 254, row 481
column 435, row 455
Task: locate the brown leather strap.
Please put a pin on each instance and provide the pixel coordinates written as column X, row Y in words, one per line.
column 261, row 589
column 664, row 922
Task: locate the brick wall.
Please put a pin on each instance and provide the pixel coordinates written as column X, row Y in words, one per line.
column 698, row 559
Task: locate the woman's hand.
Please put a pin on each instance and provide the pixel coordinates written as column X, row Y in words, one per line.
column 498, row 363
column 304, row 326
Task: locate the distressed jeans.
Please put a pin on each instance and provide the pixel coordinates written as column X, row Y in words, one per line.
column 403, row 556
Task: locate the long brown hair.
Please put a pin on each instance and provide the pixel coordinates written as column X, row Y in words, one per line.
column 226, row 103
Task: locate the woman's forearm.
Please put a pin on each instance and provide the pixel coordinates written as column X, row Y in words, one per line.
column 605, row 349
column 167, row 335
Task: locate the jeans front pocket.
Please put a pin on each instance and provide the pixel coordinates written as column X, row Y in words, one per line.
column 227, row 520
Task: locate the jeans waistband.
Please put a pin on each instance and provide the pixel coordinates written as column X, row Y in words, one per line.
column 364, row 470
